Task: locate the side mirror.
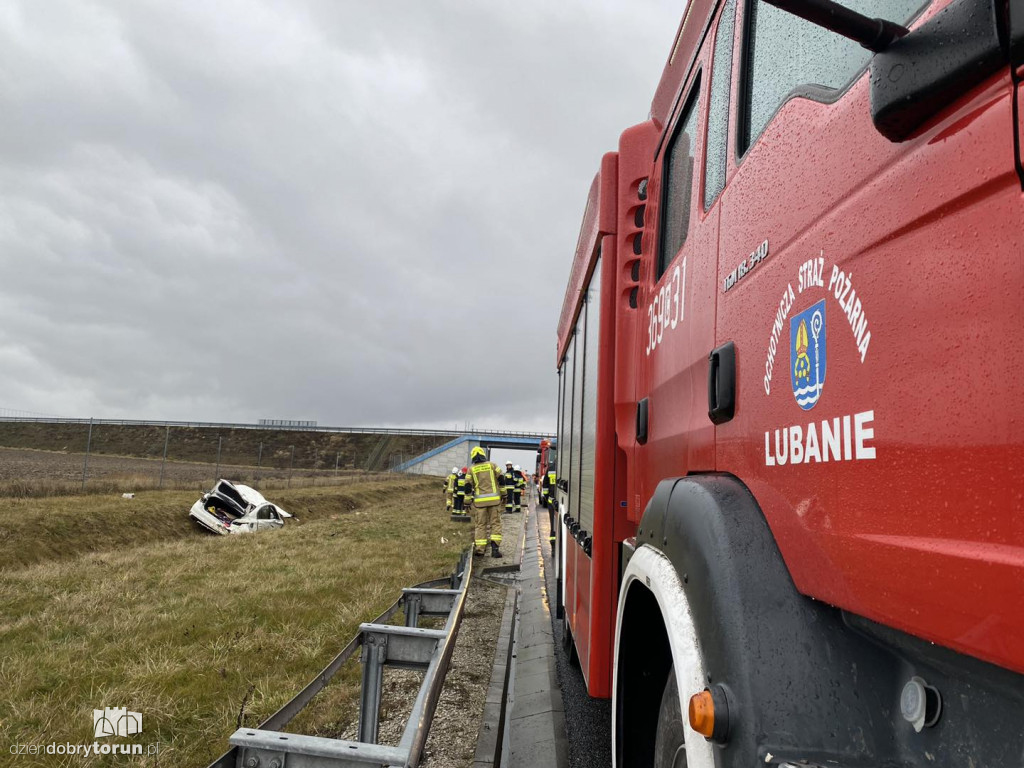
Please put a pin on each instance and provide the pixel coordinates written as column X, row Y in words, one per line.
column 914, row 75
column 920, row 74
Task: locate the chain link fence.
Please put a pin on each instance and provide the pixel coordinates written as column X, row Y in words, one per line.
column 42, row 459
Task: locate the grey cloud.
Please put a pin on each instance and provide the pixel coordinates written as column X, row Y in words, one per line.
column 302, row 210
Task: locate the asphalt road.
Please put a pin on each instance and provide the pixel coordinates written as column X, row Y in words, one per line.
column 588, row 722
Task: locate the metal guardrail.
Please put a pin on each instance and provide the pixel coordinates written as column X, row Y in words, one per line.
column 381, row 645
column 227, row 425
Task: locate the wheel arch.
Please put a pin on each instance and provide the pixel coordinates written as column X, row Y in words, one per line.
column 806, row 681
column 641, row 669
column 790, row 665
column 654, row 634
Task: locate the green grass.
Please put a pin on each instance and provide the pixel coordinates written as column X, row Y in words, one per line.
column 184, row 627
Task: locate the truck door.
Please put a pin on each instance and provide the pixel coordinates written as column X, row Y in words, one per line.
column 676, row 330
column 877, row 328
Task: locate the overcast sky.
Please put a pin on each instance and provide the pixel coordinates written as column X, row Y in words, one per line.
column 304, row 209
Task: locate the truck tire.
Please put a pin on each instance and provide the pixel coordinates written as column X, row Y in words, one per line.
column 670, row 742
column 659, row 660
column 568, row 646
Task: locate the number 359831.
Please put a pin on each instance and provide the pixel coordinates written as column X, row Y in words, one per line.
column 668, row 307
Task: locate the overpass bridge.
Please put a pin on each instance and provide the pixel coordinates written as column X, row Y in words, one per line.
column 8, row 415
column 455, row 453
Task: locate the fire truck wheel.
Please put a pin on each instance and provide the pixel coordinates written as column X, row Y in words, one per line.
column 659, row 663
column 568, row 645
column 670, row 741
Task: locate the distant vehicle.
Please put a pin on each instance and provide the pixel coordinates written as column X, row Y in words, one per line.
column 236, row 508
column 547, row 459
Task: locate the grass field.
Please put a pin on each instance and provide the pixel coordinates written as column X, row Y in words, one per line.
column 109, row 602
column 32, row 473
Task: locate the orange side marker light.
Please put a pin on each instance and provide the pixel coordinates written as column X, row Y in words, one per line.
column 709, row 714
column 702, row 713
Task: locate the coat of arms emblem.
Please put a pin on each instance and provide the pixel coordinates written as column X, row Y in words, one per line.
column 807, row 354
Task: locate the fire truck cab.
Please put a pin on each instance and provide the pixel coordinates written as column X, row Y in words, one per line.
column 547, row 456
column 790, row 383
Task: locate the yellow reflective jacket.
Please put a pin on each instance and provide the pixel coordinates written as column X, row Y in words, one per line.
column 487, row 491
column 449, row 483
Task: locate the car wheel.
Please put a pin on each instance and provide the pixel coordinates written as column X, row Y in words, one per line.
column 670, row 741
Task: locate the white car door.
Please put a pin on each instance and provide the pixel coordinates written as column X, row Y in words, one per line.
column 267, row 518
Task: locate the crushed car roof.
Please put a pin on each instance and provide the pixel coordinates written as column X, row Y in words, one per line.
column 249, row 495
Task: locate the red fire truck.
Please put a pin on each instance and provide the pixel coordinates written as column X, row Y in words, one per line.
column 791, row 384
column 547, row 455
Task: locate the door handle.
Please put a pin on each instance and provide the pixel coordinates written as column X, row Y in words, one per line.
column 722, row 383
column 642, row 409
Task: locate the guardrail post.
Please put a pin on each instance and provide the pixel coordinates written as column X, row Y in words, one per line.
column 456, row 577
column 412, row 610
column 216, row 472
column 373, row 656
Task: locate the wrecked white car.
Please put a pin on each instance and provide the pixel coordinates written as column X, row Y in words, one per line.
column 236, row 508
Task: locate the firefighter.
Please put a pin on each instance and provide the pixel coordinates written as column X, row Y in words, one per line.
column 486, row 480
column 461, row 489
column 547, row 492
column 449, row 489
column 508, row 479
column 518, row 488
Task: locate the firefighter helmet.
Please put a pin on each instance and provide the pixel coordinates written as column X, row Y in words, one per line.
column 478, row 454
column 455, row 470
column 465, row 470
column 517, row 468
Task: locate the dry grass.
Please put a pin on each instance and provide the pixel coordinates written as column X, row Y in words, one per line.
column 25, row 488
column 32, row 473
column 185, row 628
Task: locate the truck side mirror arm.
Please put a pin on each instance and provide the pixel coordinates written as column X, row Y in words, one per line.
column 874, row 34
column 915, row 75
